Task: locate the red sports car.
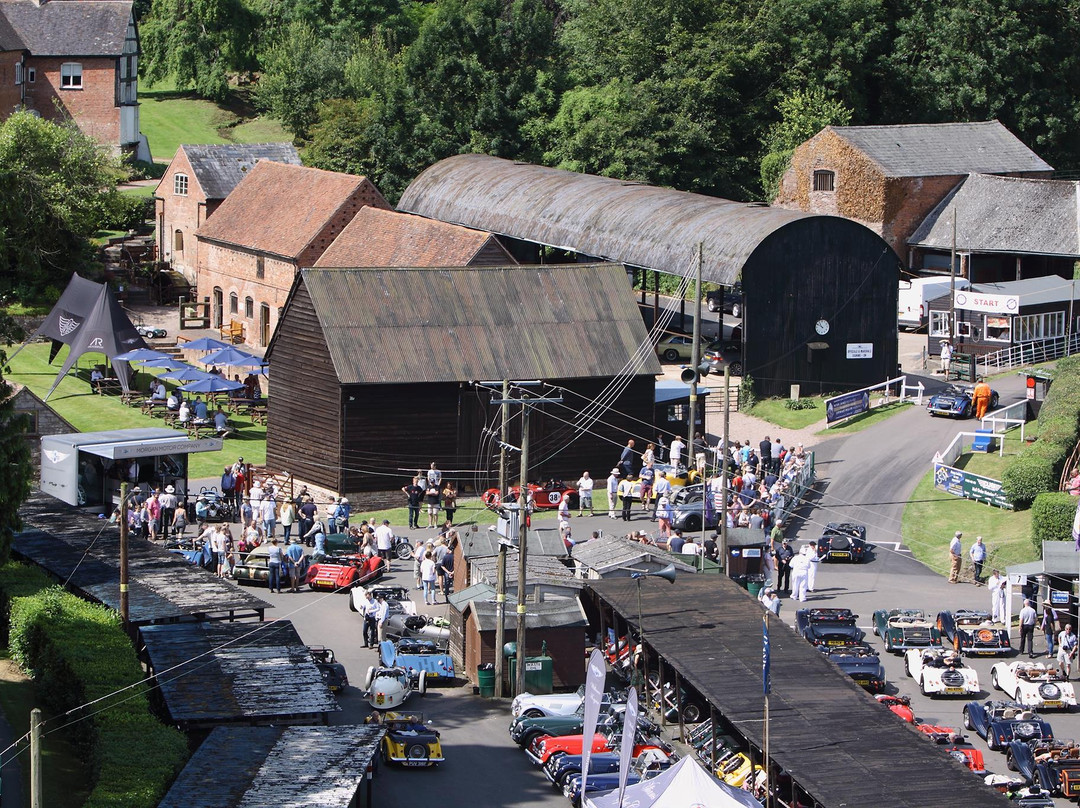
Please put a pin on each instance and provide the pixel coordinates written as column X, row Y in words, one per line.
column 900, row 705
column 545, row 497
column 344, row 572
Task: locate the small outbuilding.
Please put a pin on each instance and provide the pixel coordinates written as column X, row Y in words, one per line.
column 616, row 557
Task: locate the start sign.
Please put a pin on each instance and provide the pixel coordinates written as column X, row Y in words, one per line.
column 1030, row 388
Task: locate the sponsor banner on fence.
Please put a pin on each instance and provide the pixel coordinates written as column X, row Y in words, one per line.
column 847, row 405
column 964, row 484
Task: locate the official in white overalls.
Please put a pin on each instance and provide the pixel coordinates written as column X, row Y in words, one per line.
column 812, row 568
column 800, row 566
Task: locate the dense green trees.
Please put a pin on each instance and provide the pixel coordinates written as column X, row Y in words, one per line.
column 705, row 95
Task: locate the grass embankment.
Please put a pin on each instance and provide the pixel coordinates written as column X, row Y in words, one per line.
column 88, row 412
column 775, row 411
column 867, row 419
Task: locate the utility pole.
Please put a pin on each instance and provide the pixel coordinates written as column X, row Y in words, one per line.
column 500, row 595
column 695, row 361
column 523, row 547
column 952, row 283
column 37, row 797
column 124, row 553
column 724, row 472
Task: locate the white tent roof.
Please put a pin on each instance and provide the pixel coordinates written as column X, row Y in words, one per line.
column 684, row 784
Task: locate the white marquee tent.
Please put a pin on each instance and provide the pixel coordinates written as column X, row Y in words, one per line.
column 684, row 785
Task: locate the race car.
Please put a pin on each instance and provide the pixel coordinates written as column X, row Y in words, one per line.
column 416, row 656
column 1001, row 722
column 401, row 626
column 737, row 770
column 544, row 497
column 1033, row 684
column 957, row 401
column 973, row 632
column 149, row 332
column 397, row 598
column 842, row 541
column 970, row 757
column 344, row 572
column 408, row 741
column 861, row 663
column 905, row 628
column 386, row 688
column 531, row 705
column 1018, row 791
column 642, row 768
column 828, row 626
column 678, row 477
column 559, row 769
column 899, row 705
column 1051, row 765
column 607, row 739
column 940, row 672
column 333, row 672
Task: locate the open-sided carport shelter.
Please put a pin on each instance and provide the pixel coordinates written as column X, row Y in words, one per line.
column 799, row 272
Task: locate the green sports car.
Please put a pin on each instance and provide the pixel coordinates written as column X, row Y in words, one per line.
column 902, row 629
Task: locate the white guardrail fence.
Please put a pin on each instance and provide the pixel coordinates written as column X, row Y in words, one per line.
column 847, row 405
column 1001, row 421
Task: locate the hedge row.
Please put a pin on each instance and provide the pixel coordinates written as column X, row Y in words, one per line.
column 78, row 653
column 1051, row 518
column 1038, row 467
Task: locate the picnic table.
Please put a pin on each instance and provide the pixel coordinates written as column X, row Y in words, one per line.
column 151, row 404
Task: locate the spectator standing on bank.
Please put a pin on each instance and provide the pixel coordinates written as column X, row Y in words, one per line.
column 1066, row 650
column 996, row 584
column 613, row 491
column 1027, row 629
column 449, row 502
column 626, row 459
column 414, row 496
column 955, row 558
column 584, row 492
column 978, row 556
column 1049, row 627
column 626, row 488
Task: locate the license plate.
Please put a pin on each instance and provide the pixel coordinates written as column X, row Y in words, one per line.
column 1052, row 703
column 834, row 642
column 837, row 554
column 415, row 762
column 953, row 691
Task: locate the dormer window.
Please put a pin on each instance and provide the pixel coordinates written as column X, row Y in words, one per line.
column 180, row 184
column 824, row 181
column 71, row 76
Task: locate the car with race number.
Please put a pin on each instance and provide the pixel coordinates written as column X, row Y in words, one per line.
column 1002, row 722
column 333, row 672
column 973, row 632
column 843, row 541
column 902, row 629
column 860, row 662
column 828, row 627
column 409, row 740
column 342, row 573
column 1034, row 684
column 546, row 496
column 957, row 401
column 941, row 672
column 388, row 688
column 416, row 656
column 678, row 476
column 1051, row 765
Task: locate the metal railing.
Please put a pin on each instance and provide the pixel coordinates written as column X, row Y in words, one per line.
column 1031, row 353
column 1007, row 418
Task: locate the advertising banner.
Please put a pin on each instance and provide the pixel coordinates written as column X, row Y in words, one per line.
column 846, row 405
column 594, row 693
column 992, row 304
column 626, row 753
column 964, row 484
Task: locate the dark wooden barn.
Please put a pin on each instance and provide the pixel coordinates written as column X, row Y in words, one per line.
column 375, row 369
column 819, row 291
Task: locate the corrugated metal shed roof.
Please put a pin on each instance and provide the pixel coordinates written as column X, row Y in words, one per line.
column 828, row 733
column 640, row 225
column 1005, row 215
column 943, row 149
column 162, row 586
column 542, row 542
column 217, row 672
column 84, row 28
column 612, row 552
column 280, row 766
column 1032, row 291
column 220, row 167
column 539, row 569
column 451, row 324
column 480, row 592
column 554, row 613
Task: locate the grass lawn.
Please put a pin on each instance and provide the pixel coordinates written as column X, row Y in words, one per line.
column 139, row 190
column 472, row 510
column 88, row 412
column 931, row 517
column 66, row 781
column 865, row 419
column 774, row 411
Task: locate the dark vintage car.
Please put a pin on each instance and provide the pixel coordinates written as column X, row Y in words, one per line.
column 861, row 663
column 902, row 629
column 644, row 767
column 689, row 510
column 973, row 632
column 333, row 672
column 957, row 401
column 1051, row 765
column 842, row 541
column 409, row 740
column 525, row 729
column 729, row 300
column 727, row 354
column 828, row 627
column 558, row 769
column 545, row 497
column 1002, row 722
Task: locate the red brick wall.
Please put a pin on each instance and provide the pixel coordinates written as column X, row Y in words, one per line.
column 908, row 200
column 366, row 194
column 234, row 270
column 183, row 213
column 93, row 107
column 9, row 91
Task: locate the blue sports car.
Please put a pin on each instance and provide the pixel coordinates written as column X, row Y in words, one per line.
column 1002, row 722
column 957, row 402
column 416, row 656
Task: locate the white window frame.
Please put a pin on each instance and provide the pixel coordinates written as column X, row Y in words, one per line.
column 18, row 73
column 1007, row 337
column 31, row 75
column 1042, row 326
column 180, row 184
column 937, row 317
column 71, row 76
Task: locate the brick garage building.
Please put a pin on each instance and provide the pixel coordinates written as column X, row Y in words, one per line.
column 76, row 60
column 890, row 177
column 278, row 219
column 43, row 421
column 195, row 184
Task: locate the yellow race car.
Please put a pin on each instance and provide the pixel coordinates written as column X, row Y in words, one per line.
column 408, row 740
column 736, row 769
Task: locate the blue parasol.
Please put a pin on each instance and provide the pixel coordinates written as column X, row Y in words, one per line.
column 168, row 363
column 213, row 384
column 203, row 344
column 140, row 355
column 231, row 357
column 185, row 374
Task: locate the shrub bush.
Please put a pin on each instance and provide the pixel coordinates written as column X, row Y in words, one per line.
column 78, row 653
column 1051, row 518
column 1038, row 468
column 800, row 404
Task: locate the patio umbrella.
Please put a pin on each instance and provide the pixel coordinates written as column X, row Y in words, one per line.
column 231, row 357
column 168, row 363
column 140, row 355
column 214, row 384
column 185, row 374
column 262, row 371
column 204, row 344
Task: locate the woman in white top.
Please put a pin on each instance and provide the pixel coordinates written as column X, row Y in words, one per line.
column 427, row 575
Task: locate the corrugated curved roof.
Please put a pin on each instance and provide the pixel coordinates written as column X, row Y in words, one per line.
column 628, row 222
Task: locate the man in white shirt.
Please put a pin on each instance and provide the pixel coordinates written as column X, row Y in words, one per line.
column 434, row 476
column 811, row 570
column 384, row 541
column 691, row 547
column 799, row 567
column 1027, row 629
column 584, row 491
column 677, row 447
column 613, row 491
column 382, row 613
column 996, row 584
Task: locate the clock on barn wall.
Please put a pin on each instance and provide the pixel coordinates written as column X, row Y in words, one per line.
column 822, row 327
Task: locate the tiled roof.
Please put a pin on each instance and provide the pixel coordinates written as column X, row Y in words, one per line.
column 219, row 168
column 387, row 238
column 1006, row 215
column 943, row 149
column 279, row 208
column 65, row 28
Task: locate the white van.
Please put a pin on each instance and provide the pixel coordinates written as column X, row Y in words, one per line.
column 911, row 303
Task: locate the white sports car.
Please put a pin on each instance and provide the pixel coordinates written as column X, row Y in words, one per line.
column 533, row 706
column 388, row 688
column 1034, row 684
column 940, row 672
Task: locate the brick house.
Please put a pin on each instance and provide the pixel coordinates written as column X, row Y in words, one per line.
column 387, row 238
column 76, row 60
column 44, row 420
column 277, row 219
column 195, row 184
column 890, row 177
